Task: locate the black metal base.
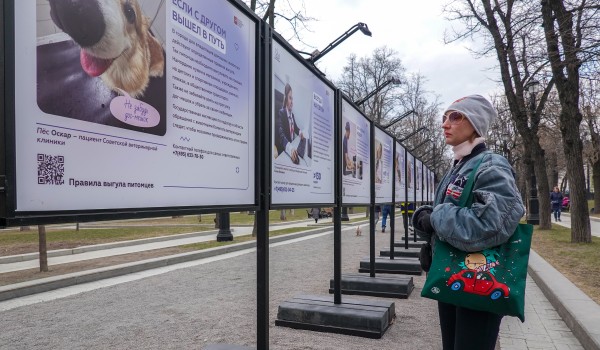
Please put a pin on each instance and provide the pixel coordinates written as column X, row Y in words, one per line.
column 379, row 286
column 411, row 238
column 224, row 236
column 411, row 244
column 406, row 266
column 226, row 347
column 401, row 252
column 363, row 318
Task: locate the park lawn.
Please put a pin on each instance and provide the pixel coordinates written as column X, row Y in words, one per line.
column 579, row 262
column 13, row 241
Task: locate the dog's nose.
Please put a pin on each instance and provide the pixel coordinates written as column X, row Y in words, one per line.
column 81, row 19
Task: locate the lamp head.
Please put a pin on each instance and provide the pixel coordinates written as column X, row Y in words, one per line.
column 364, row 28
column 395, row 81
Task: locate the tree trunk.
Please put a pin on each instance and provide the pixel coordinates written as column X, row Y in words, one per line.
column 580, row 217
column 282, row 216
column 562, row 53
column 216, row 220
column 542, row 186
column 565, row 182
column 596, row 181
column 43, row 248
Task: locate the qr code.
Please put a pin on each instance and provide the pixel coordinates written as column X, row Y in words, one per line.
column 51, row 169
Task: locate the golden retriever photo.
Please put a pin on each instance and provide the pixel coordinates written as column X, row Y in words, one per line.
column 91, row 51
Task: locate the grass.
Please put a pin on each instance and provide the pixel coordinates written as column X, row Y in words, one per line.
column 93, row 235
column 579, row 262
column 13, row 241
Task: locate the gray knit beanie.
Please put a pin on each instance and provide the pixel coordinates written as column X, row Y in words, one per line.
column 478, row 110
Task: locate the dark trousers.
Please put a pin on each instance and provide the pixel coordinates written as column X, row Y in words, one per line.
column 466, row 329
column 556, row 212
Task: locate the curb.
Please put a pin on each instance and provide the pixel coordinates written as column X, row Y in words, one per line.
column 51, row 283
column 578, row 311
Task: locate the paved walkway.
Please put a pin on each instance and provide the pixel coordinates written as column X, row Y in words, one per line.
column 544, row 327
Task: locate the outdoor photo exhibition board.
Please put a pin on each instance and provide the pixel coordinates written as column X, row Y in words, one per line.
column 419, row 180
column 410, row 176
column 383, row 166
column 104, row 128
column 399, row 172
column 303, row 133
column 356, row 153
column 431, row 185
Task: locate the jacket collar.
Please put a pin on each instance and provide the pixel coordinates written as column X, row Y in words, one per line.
column 479, row 148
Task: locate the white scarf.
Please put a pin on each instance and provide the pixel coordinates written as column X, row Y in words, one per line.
column 465, row 148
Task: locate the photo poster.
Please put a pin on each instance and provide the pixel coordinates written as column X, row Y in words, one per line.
column 356, row 154
column 97, row 127
column 410, row 176
column 419, row 181
column 303, row 126
column 399, row 173
column 384, row 147
column 431, row 185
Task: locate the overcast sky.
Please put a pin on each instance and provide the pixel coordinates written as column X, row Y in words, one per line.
column 415, row 29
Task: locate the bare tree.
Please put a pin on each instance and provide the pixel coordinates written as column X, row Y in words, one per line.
column 289, row 17
column 510, row 32
column 43, row 248
column 565, row 41
column 362, row 76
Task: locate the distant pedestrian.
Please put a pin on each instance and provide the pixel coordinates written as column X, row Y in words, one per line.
column 556, row 199
column 315, row 212
column 387, row 210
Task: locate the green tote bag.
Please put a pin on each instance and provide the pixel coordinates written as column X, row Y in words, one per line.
column 491, row 280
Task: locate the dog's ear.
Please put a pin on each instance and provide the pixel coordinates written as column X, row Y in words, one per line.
column 157, row 59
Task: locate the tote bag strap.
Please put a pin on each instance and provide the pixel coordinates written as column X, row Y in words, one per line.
column 466, row 197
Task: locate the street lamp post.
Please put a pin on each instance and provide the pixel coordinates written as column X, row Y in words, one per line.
column 398, row 118
column 392, row 80
column 412, row 133
column 534, row 207
column 224, row 233
column 316, row 55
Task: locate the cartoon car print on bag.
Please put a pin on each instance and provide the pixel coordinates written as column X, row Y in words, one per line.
column 478, row 282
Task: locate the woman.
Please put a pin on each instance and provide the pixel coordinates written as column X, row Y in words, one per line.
column 556, row 199
column 315, row 213
column 490, row 221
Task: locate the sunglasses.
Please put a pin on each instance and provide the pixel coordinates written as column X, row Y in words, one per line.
column 453, row 117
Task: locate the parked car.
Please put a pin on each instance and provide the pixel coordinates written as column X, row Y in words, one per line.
column 478, row 282
column 566, row 204
column 324, row 213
